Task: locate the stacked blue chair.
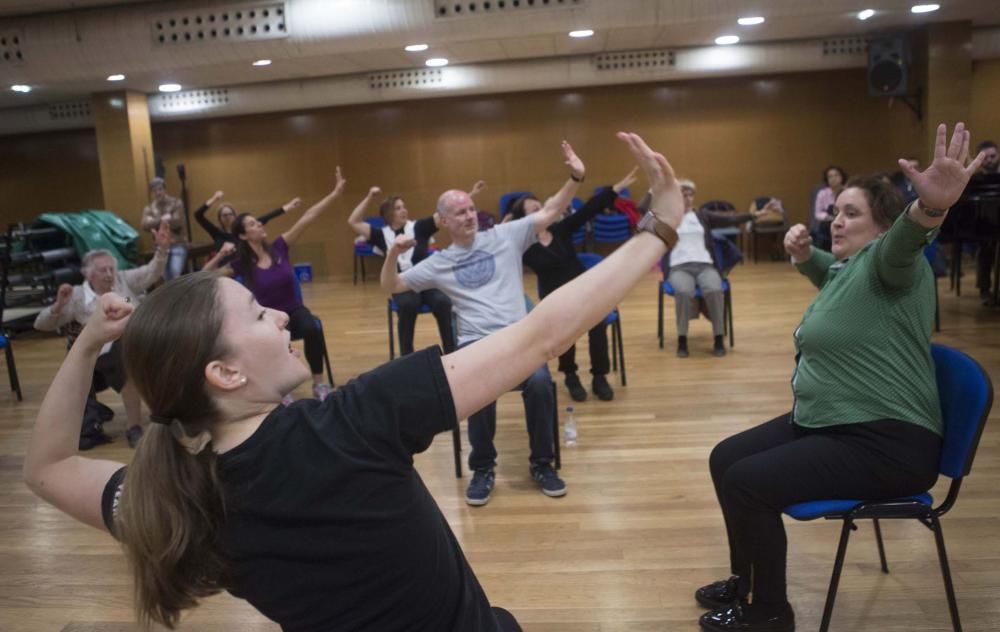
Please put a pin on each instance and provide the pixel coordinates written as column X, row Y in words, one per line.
column 362, row 249
column 966, row 394
column 611, row 229
column 664, row 287
column 614, row 319
column 580, row 236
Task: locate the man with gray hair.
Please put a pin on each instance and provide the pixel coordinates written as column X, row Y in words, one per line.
column 76, row 304
column 481, row 272
column 166, row 207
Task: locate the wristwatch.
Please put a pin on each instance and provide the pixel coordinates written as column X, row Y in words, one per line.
column 666, row 233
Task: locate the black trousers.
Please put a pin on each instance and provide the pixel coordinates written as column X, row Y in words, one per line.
column 302, row 325
column 506, row 620
column 599, row 362
column 408, row 304
column 759, row 472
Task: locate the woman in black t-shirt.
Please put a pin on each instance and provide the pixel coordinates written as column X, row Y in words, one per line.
column 312, row 513
column 554, row 260
column 227, row 216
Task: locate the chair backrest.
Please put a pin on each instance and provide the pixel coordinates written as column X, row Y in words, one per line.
column 718, row 206
column 508, row 198
column 588, row 259
column 966, row 393
column 375, row 222
column 611, row 228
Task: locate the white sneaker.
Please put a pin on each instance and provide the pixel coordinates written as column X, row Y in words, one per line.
column 320, row 391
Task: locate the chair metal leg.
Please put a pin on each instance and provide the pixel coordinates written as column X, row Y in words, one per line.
column 614, row 346
column 621, row 348
column 456, row 440
column 15, row 383
column 326, row 354
column 838, row 565
column 729, row 317
column 388, row 319
column 364, row 275
column 881, row 546
column 659, row 296
column 555, row 426
column 356, row 269
column 949, row 588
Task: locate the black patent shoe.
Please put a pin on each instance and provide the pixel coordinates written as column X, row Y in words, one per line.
column 720, row 594
column 741, row 617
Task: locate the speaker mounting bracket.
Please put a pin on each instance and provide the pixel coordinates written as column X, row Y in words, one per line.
column 913, row 102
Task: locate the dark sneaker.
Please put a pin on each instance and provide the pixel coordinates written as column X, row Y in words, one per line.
column 93, row 439
column 133, row 435
column 720, row 347
column 602, row 389
column 718, row 594
column 548, row 480
column 682, row 347
column 576, row 390
column 480, row 487
column 743, row 617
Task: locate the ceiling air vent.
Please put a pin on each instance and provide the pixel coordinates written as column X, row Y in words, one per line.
column 405, row 79
column 73, row 111
column 231, row 23
column 10, row 47
column 635, row 60
column 845, row 46
column 194, row 100
column 455, row 9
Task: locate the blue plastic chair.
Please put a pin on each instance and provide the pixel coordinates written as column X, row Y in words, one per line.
column 363, row 249
column 966, row 394
column 729, row 257
column 508, row 198
column 15, row 384
column 614, row 319
column 611, row 229
column 392, row 308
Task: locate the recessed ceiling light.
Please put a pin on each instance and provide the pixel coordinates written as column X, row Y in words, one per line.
column 750, row 21
column 116, row 77
column 20, row 88
column 867, row 13
column 170, row 87
column 416, row 48
column 262, row 62
column 435, row 62
column 924, row 8
column 581, row 33
column 727, row 40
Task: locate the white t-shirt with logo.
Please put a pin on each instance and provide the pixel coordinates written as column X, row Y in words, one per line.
column 483, row 281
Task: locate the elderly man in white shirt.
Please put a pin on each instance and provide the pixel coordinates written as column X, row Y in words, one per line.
column 77, row 303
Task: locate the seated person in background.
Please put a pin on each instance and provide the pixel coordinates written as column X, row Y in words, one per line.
column 164, row 207
column 834, row 178
column 482, row 275
column 865, row 420
column 266, row 269
column 903, row 184
column 397, row 222
column 987, row 250
column 227, row 216
column 692, row 264
column 313, row 513
column 554, row 260
column 77, row 304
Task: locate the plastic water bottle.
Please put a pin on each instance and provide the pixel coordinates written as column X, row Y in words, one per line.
column 570, row 427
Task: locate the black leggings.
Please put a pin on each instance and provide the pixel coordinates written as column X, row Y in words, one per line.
column 302, row 325
column 759, row 472
column 408, row 305
column 599, row 362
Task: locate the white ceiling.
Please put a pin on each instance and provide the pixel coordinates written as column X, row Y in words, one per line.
column 70, row 46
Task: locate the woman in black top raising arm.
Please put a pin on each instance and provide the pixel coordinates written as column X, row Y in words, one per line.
column 227, row 216
column 313, row 513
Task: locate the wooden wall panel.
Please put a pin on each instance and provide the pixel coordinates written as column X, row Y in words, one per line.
column 736, row 137
column 985, row 118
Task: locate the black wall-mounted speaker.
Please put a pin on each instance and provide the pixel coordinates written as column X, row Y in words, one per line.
column 888, row 66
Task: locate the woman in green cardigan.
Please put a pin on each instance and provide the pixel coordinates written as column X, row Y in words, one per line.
column 865, row 419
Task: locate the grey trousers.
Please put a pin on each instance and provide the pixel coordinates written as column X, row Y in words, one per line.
column 684, row 278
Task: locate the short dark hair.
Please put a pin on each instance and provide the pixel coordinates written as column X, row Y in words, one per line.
column 843, row 174
column 882, row 196
column 516, row 208
column 986, row 144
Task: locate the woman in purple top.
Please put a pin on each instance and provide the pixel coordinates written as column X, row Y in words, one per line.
column 266, row 270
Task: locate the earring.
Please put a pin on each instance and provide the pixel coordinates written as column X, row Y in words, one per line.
column 243, row 381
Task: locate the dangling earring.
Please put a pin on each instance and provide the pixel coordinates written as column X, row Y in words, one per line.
column 243, row 381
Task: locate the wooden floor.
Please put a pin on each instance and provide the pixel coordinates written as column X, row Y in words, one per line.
column 639, row 529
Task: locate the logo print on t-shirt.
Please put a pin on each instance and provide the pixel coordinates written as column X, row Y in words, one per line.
column 475, row 270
